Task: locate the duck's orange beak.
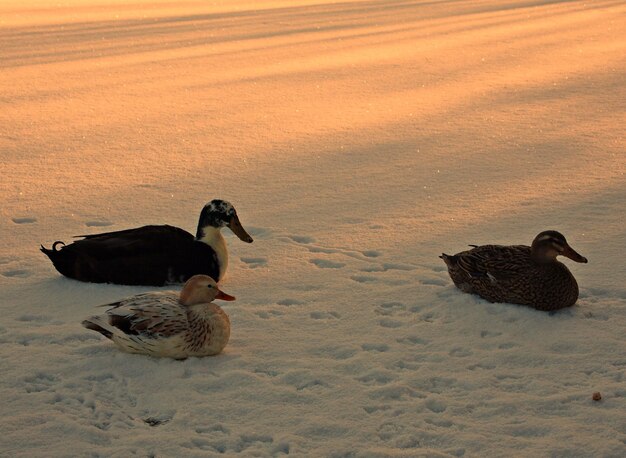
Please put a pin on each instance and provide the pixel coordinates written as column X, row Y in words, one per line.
column 569, row 252
column 223, row 296
column 238, row 230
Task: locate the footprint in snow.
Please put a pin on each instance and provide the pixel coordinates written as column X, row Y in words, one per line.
column 371, row 253
column 335, row 352
column 389, row 323
column 157, row 420
column 302, row 239
column 442, row 422
column 387, row 266
column 325, row 315
column 433, row 282
column 486, row 333
column 327, row 264
column 435, row 405
column 364, row 279
column 19, row 273
column 35, row 318
column 39, row 382
column 460, row 352
column 375, row 347
column 266, row 314
column 289, row 302
column 308, row 242
column 253, row 263
column 255, row 440
column 24, row 220
column 412, row 340
column 390, row 308
column 96, row 223
column 259, row 232
column 376, row 378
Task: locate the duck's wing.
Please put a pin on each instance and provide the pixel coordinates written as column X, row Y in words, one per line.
column 496, row 262
column 149, row 315
column 130, row 242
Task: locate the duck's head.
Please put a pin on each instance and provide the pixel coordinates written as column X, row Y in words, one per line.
column 550, row 244
column 219, row 213
column 202, row 289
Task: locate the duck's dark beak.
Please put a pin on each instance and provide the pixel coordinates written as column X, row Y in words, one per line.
column 569, row 252
column 223, row 296
column 238, row 230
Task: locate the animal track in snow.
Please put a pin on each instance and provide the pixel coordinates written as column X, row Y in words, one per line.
column 308, row 243
column 389, row 323
column 433, row 282
column 19, row 273
column 485, row 366
column 327, row 264
column 267, row 372
column 442, row 422
column 24, row 220
column 301, row 239
column 486, row 333
column 303, row 380
column 259, row 232
column 390, row 308
column 394, row 392
column 157, row 420
column 364, row 279
column 387, row 266
column 371, row 253
column 460, row 352
column 42, row 381
column 375, row 347
column 335, row 352
column 217, row 428
column 253, row 263
column 37, row 318
column 435, row 405
column 288, row 302
column 377, row 378
column 412, row 340
column 265, row 314
column 325, row 315
column 98, row 223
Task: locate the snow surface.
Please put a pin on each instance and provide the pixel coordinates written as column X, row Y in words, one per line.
column 357, row 140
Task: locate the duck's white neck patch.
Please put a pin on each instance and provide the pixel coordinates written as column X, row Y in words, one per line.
column 213, row 237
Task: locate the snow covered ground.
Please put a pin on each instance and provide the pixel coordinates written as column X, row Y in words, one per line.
column 358, row 140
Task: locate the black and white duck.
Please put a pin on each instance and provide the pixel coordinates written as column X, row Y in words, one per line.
column 152, row 255
column 518, row 274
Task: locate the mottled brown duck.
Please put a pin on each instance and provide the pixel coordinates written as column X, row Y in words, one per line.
column 518, row 274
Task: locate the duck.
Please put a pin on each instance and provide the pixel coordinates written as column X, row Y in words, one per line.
column 519, row 274
column 152, row 255
column 168, row 324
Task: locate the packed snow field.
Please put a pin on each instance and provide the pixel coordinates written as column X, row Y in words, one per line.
column 357, row 140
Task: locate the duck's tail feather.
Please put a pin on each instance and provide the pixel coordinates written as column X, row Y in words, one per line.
column 95, row 324
column 49, row 251
column 450, row 260
column 64, row 259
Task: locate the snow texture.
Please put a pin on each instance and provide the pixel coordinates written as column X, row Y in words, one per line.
column 358, row 140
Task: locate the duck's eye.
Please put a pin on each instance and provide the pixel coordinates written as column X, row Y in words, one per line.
column 210, row 286
column 557, row 247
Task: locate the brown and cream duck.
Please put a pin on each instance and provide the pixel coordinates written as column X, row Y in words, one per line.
column 168, row 324
column 518, row 274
